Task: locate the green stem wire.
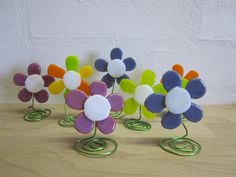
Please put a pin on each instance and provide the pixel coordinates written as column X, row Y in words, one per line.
column 96, row 147
column 36, row 114
column 137, row 124
column 67, row 120
column 181, row 146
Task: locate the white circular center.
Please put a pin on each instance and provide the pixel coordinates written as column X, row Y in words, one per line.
column 34, row 83
column 178, row 100
column 72, row 80
column 116, row 68
column 142, row 92
column 97, row 108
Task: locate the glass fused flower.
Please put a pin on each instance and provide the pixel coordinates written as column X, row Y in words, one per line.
column 33, row 84
column 72, row 78
column 116, row 67
column 96, row 108
column 178, row 100
column 140, row 92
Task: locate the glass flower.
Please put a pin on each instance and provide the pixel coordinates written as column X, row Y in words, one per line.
column 116, row 67
column 178, row 100
column 140, row 92
column 33, row 83
column 71, row 79
column 96, row 108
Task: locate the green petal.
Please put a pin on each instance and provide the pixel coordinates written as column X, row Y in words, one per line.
column 148, row 114
column 66, row 92
column 159, row 89
column 184, row 83
column 128, row 85
column 72, row 63
column 148, row 77
column 131, row 106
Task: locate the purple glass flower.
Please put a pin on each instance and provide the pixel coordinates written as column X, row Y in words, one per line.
column 178, row 100
column 116, row 67
column 96, row 108
column 33, row 84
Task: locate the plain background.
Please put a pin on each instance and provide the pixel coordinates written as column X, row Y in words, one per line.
column 198, row 34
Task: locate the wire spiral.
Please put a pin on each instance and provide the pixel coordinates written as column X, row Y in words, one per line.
column 96, row 147
column 67, row 120
column 181, row 146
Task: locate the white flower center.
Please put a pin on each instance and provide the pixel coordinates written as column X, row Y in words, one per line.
column 34, row 83
column 97, row 108
column 178, row 100
column 142, row 92
column 116, row 68
column 72, row 80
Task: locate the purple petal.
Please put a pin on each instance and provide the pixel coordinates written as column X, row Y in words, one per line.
column 24, row 95
column 19, row 79
column 194, row 113
column 171, row 79
column 171, row 121
column 116, row 53
column 129, row 63
column 196, row 88
column 101, row 65
column 155, row 103
column 83, row 124
column 119, row 79
column 108, row 80
column 34, row 68
column 116, row 101
column 106, row 126
column 98, row 88
column 48, row 80
column 41, row 96
column 76, row 99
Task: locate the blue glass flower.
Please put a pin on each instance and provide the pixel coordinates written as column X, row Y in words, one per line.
column 178, row 100
column 115, row 68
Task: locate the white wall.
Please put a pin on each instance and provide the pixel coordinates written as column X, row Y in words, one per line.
column 198, row 34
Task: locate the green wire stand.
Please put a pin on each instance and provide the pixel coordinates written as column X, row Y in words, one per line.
column 96, row 147
column 181, row 146
column 36, row 114
column 137, row 124
column 67, row 120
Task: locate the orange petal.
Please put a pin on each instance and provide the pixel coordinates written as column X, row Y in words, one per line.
column 191, row 75
column 84, row 86
column 56, row 71
column 179, row 69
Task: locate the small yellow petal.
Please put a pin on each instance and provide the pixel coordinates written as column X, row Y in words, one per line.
column 86, row 71
column 159, row 89
column 128, row 85
column 148, row 114
column 56, row 87
column 131, row 106
column 148, row 77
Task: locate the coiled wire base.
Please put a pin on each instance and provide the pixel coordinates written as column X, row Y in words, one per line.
column 67, row 120
column 181, row 146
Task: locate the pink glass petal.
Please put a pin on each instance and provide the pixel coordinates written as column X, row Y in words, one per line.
column 34, row 68
column 42, row 96
column 83, row 124
column 48, row 80
column 75, row 99
column 116, row 102
column 106, row 126
column 19, row 79
column 98, row 88
column 24, row 95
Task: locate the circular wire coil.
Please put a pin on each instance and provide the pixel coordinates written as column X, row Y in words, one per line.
column 67, row 120
column 37, row 115
column 138, row 125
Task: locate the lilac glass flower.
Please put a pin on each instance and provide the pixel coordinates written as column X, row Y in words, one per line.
column 116, row 67
column 96, row 108
column 178, row 100
column 33, row 84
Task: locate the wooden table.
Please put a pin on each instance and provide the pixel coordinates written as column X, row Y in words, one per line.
column 35, row 149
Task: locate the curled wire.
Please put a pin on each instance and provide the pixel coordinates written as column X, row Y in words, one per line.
column 67, row 120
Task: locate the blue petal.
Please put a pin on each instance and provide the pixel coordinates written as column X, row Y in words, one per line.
column 101, row 65
column 155, row 102
column 129, row 63
column 125, row 76
column 108, row 80
column 194, row 113
column 196, row 88
column 171, row 121
column 116, row 53
column 171, row 79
